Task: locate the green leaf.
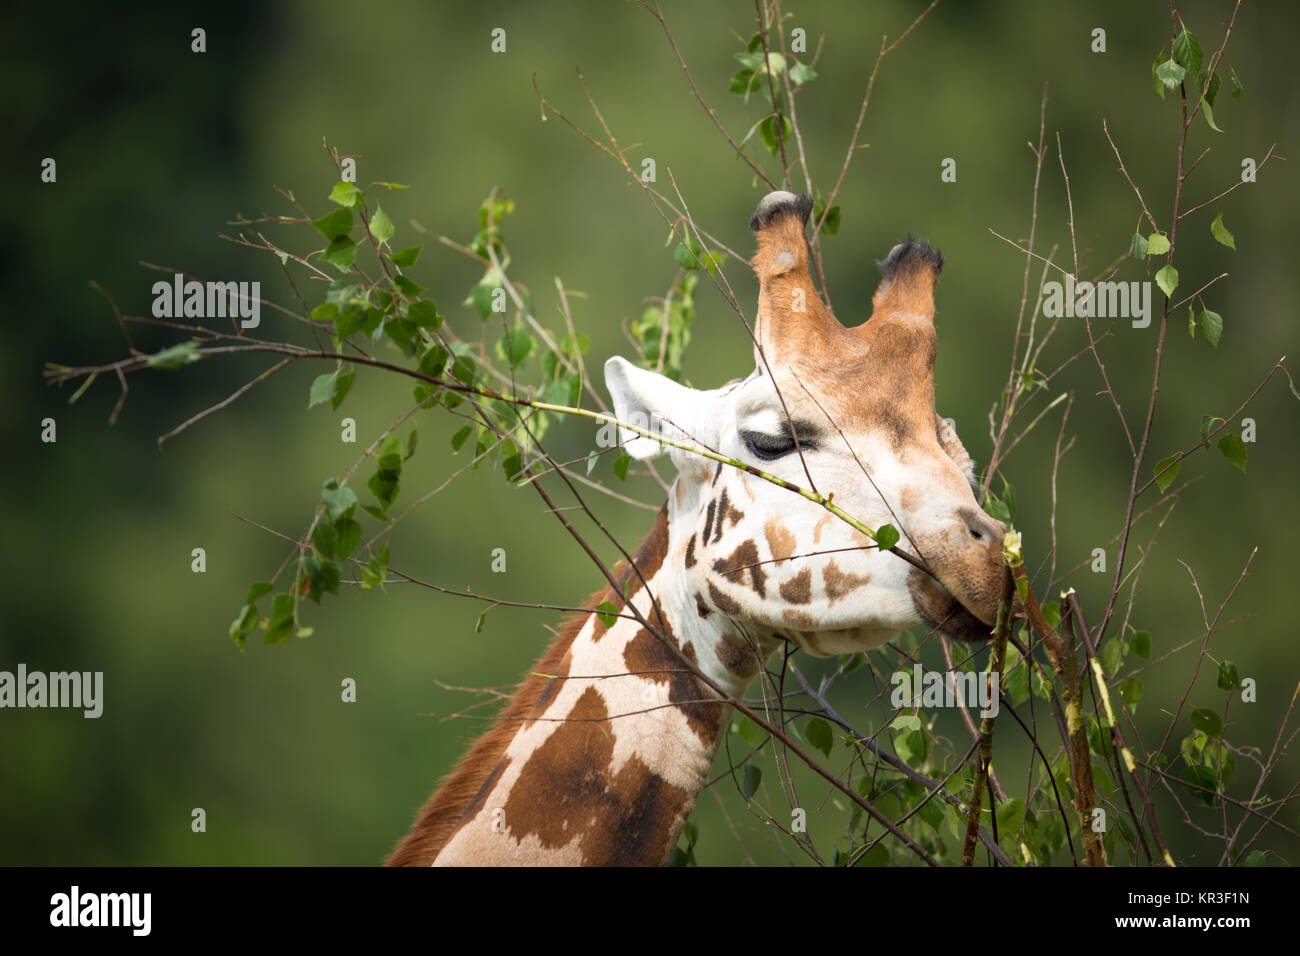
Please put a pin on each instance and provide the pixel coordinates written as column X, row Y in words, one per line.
column 350, row 320
column 1236, row 84
column 175, row 356
column 743, row 82
column 381, row 227
column 767, row 132
column 323, row 388
column 1157, row 84
column 819, row 735
column 932, row 813
column 1208, row 721
column 832, row 224
column 1207, row 423
column 243, row 625
column 1131, row 691
column 1170, row 74
column 1208, row 112
column 458, row 439
column 1157, row 244
column 877, row 856
column 1011, row 814
column 1212, row 326
column 886, row 537
column 1213, row 90
column 1101, row 777
column 1166, row 471
column 406, row 257
column 511, row 459
column 997, row 509
column 281, row 623
column 481, row 294
column 334, row 224
column 912, row 747
column 802, row 73
column 751, row 733
column 347, row 536
column 607, row 613
column 424, row 314
column 750, row 778
column 1220, row 232
column 1200, row 777
column 1229, row 676
column 325, row 538
column 1187, row 52
column 1140, row 644
column 1112, row 655
column 515, row 347
column 1052, row 613
column 345, row 194
column 1167, row 279
column 340, row 501
column 1234, row 449
column 685, row 257
column 620, row 466
column 1138, row 245
column 408, row 288
column 257, row 590
column 341, row 252
column 1016, row 678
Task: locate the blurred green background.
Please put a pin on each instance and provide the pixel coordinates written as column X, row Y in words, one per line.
column 158, row 147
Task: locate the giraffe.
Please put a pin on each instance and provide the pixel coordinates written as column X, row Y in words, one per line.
column 598, row 757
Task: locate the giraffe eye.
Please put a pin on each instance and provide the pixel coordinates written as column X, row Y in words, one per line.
column 769, row 447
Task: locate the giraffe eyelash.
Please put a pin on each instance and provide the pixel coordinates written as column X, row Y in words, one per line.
column 771, row 447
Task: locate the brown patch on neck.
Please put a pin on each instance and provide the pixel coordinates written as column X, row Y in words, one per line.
column 456, row 799
column 647, row 656
column 565, row 793
column 737, row 656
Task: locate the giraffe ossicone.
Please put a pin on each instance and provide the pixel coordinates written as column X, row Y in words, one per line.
column 600, row 754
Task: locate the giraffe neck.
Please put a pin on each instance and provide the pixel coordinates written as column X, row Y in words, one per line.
column 600, row 754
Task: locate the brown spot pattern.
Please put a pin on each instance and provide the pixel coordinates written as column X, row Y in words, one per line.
column 779, row 540
column 723, row 603
column 798, row 590
column 645, row 654
column 737, row 657
column 744, row 558
column 839, row 583
column 565, row 793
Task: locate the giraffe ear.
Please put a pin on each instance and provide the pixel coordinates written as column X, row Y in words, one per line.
column 653, row 402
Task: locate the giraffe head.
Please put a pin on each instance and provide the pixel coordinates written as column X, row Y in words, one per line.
column 848, row 411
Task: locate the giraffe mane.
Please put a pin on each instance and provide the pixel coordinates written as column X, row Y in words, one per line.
column 462, row 789
column 461, row 792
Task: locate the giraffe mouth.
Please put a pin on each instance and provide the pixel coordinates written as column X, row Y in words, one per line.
column 942, row 612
